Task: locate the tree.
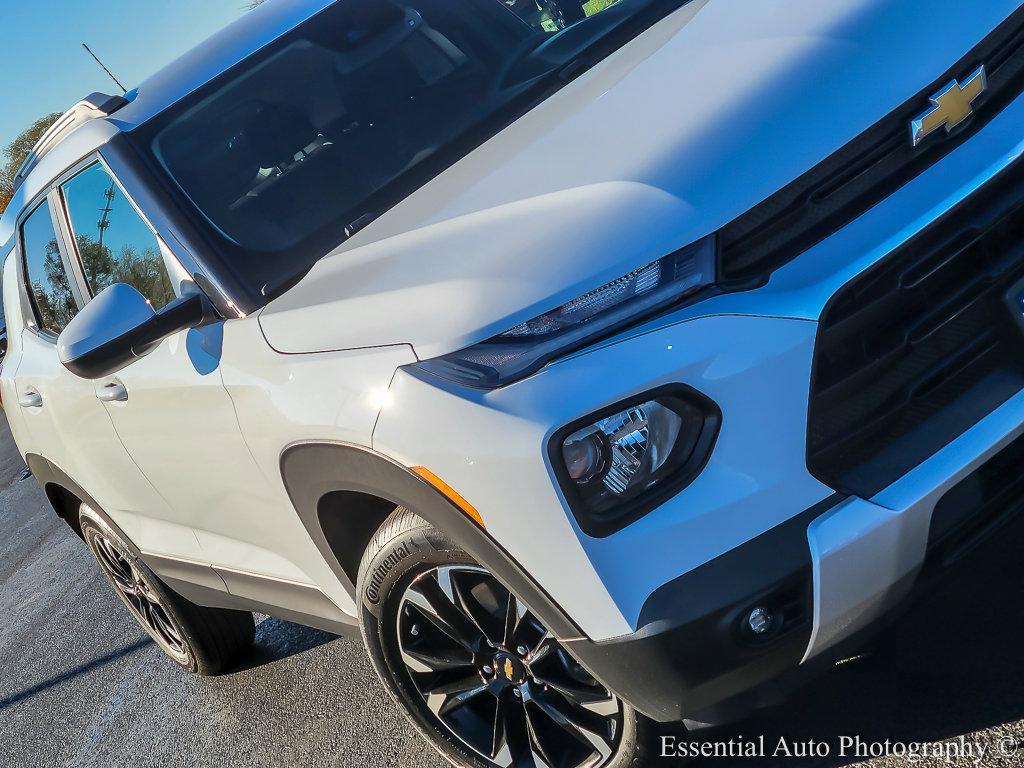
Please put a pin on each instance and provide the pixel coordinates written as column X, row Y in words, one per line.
column 54, row 300
column 16, row 152
column 144, row 271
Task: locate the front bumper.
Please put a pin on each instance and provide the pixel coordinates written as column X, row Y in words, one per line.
column 847, row 563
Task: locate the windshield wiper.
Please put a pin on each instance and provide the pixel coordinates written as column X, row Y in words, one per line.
column 360, row 224
column 271, row 292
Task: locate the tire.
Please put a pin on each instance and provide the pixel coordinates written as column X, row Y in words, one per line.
column 204, row 641
column 410, row 564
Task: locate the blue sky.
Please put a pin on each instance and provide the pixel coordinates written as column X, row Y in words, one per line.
column 45, row 69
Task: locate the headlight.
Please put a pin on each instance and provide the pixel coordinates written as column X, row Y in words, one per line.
column 521, row 350
column 618, row 465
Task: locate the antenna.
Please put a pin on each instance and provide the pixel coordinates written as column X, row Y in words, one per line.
column 104, row 68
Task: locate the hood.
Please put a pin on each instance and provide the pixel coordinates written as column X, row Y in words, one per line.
column 687, row 127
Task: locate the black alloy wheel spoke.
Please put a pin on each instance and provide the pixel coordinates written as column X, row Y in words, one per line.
column 515, row 613
column 438, row 662
column 161, row 623
column 149, row 614
column 578, row 725
column 488, row 624
column 138, row 603
column 145, row 591
column 500, row 752
column 459, row 685
column 517, row 732
column 538, row 742
column 445, row 699
column 557, row 670
column 437, row 607
column 546, row 647
column 579, row 695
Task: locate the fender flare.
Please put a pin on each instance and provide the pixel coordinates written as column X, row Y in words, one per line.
column 311, row 470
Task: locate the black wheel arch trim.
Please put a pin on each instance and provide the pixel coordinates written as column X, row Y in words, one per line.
column 312, row 470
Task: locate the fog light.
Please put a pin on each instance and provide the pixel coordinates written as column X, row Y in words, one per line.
column 611, row 467
column 760, row 621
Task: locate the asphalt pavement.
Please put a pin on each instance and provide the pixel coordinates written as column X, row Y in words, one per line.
column 80, row 685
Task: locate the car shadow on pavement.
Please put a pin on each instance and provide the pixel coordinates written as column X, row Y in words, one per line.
column 951, row 666
column 277, row 639
column 84, row 669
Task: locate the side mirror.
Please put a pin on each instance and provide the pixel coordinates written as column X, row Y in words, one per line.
column 119, row 326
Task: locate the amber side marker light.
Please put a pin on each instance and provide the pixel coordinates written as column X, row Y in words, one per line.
column 451, row 494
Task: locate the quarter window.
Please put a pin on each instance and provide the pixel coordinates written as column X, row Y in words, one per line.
column 114, row 243
column 48, row 281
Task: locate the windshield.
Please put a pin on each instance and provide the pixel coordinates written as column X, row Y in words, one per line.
column 298, row 147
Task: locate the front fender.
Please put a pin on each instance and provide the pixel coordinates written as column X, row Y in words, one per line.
column 311, row 471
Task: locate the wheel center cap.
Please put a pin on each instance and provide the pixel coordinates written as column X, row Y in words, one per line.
column 510, row 669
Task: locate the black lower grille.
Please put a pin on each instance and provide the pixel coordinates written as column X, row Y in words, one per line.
column 920, row 347
column 977, row 506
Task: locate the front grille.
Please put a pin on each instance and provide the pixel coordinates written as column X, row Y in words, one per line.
column 920, row 347
column 868, row 169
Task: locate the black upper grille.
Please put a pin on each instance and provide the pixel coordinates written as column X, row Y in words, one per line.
column 868, row 169
column 921, row 346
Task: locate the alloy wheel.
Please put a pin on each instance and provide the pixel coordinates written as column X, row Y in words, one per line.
column 495, row 678
column 138, row 594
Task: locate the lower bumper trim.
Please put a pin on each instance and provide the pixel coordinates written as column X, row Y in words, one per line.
column 693, row 649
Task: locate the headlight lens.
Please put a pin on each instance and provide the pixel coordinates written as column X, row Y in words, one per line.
column 622, row 464
column 521, row 350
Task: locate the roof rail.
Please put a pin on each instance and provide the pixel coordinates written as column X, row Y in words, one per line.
column 92, row 106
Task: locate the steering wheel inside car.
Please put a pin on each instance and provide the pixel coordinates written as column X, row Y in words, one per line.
column 544, row 52
column 563, row 13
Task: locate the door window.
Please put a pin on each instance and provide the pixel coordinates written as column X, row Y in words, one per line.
column 114, row 243
column 47, row 279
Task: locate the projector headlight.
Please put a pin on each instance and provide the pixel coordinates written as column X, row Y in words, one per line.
column 618, row 465
column 521, row 350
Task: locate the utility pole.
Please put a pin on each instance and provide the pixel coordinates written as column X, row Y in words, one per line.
column 104, row 222
column 104, row 68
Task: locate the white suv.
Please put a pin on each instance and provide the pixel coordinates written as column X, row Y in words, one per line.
column 603, row 363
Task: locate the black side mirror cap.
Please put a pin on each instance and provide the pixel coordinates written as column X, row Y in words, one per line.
column 119, row 326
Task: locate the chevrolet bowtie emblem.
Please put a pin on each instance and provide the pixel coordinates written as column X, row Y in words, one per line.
column 510, row 671
column 950, row 106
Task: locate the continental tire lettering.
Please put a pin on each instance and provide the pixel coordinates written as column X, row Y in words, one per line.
column 382, row 570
